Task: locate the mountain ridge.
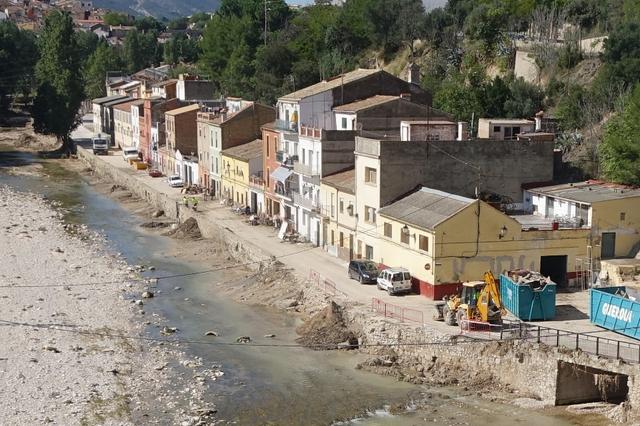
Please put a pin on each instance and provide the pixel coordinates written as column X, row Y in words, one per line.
column 159, row 8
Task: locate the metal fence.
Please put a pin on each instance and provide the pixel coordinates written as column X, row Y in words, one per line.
column 389, row 310
column 587, row 342
column 325, row 284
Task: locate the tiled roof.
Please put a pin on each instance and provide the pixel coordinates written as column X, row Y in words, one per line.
column 591, row 191
column 425, row 208
column 326, row 85
column 365, row 103
column 247, row 151
column 344, row 181
column 184, row 109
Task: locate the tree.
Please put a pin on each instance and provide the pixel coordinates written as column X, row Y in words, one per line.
column 622, row 53
column 620, row 147
column 103, row 60
column 59, row 79
column 525, row 99
column 115, row 18
column 148, row 23
column 133, row 53
column 18, row 55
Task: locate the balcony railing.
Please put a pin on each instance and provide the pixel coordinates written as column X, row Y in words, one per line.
column 304, row 169
column 283, row 191
column 310, row 132
column 285, row 159
column 307, row 203
column 256, row 181
column 291, row 126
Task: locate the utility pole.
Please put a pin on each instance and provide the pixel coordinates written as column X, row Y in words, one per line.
column 266, row 28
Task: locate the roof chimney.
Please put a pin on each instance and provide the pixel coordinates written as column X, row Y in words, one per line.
column 412, row 73
column 539, row 117
column 463, row 131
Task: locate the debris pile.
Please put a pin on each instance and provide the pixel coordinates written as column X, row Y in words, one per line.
column 188, row 229
column 327, row 330
column 533, row 279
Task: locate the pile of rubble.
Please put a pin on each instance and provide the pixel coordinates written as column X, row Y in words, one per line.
column 533, row 279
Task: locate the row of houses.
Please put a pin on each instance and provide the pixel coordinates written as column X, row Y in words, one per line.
column 362, row 166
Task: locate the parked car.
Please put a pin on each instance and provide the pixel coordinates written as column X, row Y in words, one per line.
column 175, row 181
column 130, row 154
column 155, row 173
column 394, row 280
column 365, row 271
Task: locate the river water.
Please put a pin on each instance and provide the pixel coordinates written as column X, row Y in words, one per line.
column 284, row 386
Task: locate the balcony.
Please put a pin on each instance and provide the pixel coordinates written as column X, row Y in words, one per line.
column 306, row 203
column 310, row 132
column 290, row 126
column 304, row 169
column 256, row 181
column 285, row 159
column 283, row 191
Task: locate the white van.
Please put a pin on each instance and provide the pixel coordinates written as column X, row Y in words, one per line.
column 395, row 280
column 130, row 154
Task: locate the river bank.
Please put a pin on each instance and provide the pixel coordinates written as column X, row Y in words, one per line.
column 73, row 344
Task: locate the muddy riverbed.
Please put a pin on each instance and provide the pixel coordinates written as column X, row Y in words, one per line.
column 274, row 384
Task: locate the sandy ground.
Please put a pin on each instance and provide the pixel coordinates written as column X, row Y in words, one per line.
column 62, row 360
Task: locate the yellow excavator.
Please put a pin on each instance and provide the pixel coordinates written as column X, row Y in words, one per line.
column 479, row 301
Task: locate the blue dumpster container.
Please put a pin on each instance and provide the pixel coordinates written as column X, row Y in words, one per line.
column 611, row 310
column 526, row 303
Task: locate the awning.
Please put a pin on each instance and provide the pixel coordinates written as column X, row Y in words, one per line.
column 281, row 174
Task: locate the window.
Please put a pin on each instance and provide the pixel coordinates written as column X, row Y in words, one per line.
column 268, row 177
column 388, row 230
column 369, row 214
column 332, row 207
column 404, row 236
column 267, row 146
column 496, row 129
column 211, row 142
column 332, row 238
column 368, row 252
column 341, row 205
column 341, row 239
column 623, row 216
column 424, row 243
column 350, row 209
column 370, row 175
column 304, row 156
column 344, row 123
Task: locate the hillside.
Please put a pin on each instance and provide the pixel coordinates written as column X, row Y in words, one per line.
column 160, row 8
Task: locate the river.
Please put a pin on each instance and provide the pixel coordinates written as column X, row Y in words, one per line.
column 275, row 385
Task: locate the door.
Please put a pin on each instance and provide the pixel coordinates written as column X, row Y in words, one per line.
column 608, row 245
column 556, row 268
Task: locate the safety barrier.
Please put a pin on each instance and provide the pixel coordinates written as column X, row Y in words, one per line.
column 325, row 284
column 389, row 310
column 587, row 342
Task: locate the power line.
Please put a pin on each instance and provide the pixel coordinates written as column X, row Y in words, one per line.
column 161, row 277
column 218, row 343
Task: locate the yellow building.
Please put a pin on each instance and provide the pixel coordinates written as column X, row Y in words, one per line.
column 338, row 201
column 238, row 164
column 445, row 239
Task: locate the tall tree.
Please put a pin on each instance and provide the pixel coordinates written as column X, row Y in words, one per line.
column 620, row 148
column 103, row 60
column 134, row 54
column 59, row 80
column 18, row 55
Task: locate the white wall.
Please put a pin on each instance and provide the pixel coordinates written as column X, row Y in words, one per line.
column 315, row 111
column 348, row 120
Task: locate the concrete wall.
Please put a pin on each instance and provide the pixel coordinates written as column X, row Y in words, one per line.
column 525, row 67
